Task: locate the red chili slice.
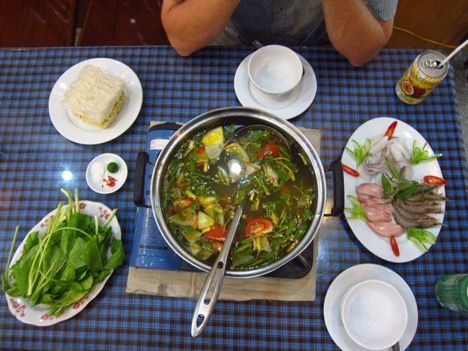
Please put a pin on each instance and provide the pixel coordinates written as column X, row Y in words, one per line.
column 110, row 181
column 391, row 129
column 258, row 226
column 350, row 171
column 434, row 180
column 268, row 150
column 394, row 245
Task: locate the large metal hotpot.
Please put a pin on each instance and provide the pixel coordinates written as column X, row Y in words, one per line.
column 239, row 116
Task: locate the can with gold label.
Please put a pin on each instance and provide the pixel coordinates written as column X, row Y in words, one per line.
column 421, row 77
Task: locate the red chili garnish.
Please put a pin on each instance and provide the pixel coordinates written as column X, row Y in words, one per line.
column 201, row 149
column 268, row 150
column 350, row 171
column 391, row 129
column 110, row 181
column 434, row 180
column 394, row 245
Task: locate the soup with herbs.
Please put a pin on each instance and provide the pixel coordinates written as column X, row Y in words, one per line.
column 215, row 171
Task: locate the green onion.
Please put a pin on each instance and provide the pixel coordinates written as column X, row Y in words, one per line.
column 419, row 155
column 356, row 210
column 360, row 151
column 421, row 237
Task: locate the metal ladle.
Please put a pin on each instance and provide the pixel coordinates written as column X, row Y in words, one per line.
column 214, row 280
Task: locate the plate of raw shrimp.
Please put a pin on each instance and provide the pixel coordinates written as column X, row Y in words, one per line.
column 394, row 189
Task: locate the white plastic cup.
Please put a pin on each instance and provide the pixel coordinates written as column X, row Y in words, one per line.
column 374, row 314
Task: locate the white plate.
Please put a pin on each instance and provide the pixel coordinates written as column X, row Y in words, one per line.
column 297, row 101
column 375, row 243
column 37, row 315
column 96, row 173
column 75, row 130
column 356, row 274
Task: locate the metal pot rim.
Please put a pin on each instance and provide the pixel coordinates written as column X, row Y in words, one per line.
column 207, row 120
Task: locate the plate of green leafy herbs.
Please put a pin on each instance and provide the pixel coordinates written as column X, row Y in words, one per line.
column 63, row 262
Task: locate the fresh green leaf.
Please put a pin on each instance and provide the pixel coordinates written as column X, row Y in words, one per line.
column 66, row 300
column 95, row 258
column 87, row 283
column 102, row 275
column 393, row 169
column 78, row 256
column 68, row 273
column 118, row 255
column 20, row 270
column 31, row 241
column 386, row 186
column 407, row 188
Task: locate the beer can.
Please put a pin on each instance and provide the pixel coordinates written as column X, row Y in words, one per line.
column 421, row 77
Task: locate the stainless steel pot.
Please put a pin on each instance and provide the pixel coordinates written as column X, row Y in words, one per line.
column 238, row 116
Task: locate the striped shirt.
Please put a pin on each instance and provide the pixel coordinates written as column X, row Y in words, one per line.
column 287, row 22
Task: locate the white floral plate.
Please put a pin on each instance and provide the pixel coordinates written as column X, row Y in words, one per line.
column 37, row 315
column 375, row 243
column 77, row 131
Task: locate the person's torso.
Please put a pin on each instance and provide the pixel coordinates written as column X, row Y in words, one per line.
column 288, row 22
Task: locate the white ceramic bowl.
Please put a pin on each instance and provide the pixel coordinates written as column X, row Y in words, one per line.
column 275, row 69
column 374, row 314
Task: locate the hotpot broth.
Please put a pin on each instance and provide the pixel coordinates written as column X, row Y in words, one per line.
column 201, row 190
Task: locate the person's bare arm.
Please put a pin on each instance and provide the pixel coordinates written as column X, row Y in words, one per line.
column 354, row 31
column 192, row 24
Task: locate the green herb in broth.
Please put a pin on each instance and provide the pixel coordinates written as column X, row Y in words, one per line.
column 200, row 194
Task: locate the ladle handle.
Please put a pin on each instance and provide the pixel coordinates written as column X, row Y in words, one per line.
column 214, row 280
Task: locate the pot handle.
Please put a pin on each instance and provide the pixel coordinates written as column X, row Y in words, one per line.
column 140, row 174
column 338, row 188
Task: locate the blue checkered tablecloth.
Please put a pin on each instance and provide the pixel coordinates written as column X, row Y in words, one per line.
column 33, row 156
